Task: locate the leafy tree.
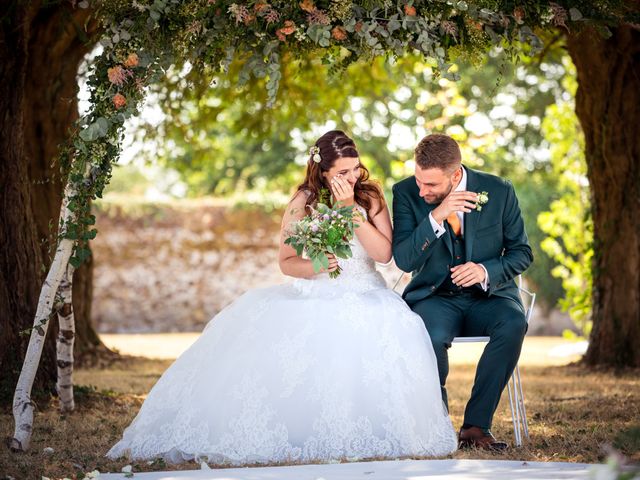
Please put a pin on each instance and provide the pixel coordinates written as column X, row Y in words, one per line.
column 568, row 223
column 220, row 146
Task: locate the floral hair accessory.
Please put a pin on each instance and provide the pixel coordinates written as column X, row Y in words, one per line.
column 315, row 154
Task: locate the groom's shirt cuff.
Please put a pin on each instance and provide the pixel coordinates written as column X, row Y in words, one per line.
column 438, row 229
column 485, row 284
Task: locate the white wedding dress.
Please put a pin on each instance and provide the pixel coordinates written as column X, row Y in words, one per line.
column 310, row 371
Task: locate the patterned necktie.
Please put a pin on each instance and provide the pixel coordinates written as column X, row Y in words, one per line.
column 454, row 222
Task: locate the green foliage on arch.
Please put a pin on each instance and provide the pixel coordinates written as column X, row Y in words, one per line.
column 143, row 38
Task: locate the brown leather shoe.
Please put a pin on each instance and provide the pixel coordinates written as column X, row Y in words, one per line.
column 474, row 437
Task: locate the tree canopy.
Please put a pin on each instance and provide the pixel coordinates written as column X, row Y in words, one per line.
column 143, row 39
column 220, row 146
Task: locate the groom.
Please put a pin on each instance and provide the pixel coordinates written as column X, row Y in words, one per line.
column 463, row 250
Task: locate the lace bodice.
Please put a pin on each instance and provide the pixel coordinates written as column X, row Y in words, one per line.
column 361, row 262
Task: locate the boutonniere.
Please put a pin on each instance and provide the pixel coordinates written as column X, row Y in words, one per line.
column 483, row 199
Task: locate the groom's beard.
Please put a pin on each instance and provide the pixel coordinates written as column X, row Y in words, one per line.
column 437, row 198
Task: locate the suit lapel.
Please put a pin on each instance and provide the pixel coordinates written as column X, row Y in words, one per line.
column 447, row 238
column 471, row 218
column 425, row 211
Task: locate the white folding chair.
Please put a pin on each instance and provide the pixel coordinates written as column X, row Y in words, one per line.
column 514, row 387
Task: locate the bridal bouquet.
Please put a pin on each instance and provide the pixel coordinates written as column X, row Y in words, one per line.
column 325, row 230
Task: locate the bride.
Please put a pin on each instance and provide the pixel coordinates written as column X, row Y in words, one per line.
column 315, row 370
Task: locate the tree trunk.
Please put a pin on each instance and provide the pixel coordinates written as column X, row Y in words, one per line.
column 607, row 106
column 66, row 340
column 40, row 50
column 51, row 109
column 20, row 255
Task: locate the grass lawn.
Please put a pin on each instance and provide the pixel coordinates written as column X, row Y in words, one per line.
column 574, row 414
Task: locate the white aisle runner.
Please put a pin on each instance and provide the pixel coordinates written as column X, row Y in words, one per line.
column 385, row 470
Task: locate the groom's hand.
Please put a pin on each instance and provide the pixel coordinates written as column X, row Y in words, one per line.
column 467, row 274
column 462, row 201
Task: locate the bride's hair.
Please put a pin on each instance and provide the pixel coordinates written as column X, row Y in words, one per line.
column 334, row 145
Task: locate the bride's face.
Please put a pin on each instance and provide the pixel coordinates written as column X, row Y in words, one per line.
column 347, row 168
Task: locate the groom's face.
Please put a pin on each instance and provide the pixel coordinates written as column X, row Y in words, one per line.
column 435, row 184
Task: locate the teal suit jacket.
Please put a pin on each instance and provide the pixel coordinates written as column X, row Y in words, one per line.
column 494, row 237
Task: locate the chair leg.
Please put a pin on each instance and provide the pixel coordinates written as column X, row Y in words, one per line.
column 523, row 409
column 514, row 412
column 516, row 396
column 518, row 411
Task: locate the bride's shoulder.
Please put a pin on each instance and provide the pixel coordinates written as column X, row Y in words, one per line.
column 300, row 197
column 297, row 205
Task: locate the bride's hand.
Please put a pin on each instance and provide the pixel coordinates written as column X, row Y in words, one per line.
column 333, row 263
column 342, row 190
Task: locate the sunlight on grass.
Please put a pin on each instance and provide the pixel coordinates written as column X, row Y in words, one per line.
column 574, row 414
column 535, row 351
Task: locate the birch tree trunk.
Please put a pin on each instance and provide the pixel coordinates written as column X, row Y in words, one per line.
column 22, row 405
column 64, row 346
